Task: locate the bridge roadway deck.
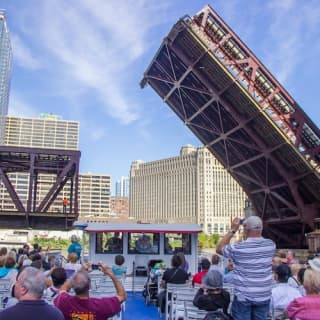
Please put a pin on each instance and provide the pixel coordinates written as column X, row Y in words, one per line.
column 249, row 122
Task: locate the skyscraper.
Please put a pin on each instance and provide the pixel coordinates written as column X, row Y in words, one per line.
column 193, row 187
column 122, row 187
column 5, row 70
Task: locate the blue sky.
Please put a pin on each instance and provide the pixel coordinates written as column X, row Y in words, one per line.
column 84, row 59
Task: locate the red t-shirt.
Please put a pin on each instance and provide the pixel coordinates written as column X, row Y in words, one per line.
column 92, row 308
column 197, row 278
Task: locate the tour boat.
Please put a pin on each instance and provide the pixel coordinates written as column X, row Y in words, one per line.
column 141, row 243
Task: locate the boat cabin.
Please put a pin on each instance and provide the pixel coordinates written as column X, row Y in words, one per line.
column 141, row 243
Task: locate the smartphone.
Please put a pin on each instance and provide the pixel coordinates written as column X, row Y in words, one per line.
column 95, row 266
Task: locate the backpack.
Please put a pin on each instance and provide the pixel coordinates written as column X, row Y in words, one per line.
column 216, row 315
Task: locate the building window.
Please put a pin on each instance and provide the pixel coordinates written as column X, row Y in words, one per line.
column 177, row 242
column 109, row 242
column 142, row 243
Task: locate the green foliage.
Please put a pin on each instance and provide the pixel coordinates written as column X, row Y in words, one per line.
column 207, row 241
column 52, row 243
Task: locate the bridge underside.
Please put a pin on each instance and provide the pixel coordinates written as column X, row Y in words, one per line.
column 219, row 99
column 32, row 208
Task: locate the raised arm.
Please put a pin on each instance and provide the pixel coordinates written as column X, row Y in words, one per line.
column 121, row 293
column 235, row 224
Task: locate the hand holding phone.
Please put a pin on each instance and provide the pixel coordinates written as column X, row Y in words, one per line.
column 95, row 266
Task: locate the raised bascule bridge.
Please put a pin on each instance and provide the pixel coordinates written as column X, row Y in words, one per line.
column 48, row 170
column 246, row 118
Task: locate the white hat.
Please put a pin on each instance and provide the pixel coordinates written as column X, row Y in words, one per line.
column 315, row 264
column 74, row 238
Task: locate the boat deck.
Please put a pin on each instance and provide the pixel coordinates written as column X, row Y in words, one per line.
column 136, row 308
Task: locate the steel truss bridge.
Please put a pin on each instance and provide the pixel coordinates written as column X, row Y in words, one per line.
column 242, row 114
column 30, row 211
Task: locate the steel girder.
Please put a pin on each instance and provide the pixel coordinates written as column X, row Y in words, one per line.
column 232, row 103
column 63, row 165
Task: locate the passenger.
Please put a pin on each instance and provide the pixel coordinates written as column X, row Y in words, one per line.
column 276, row 261
column 314, row 264
column 75, row 246
column 28, row 290
column 118, row 268
column 215, row 264
column 282, row 293
column 293, row 280
column 143, row 244
column 167, row 246
column 9, row 271
column 58, row 277
column 73, row 263
column 184, row 263
column 300, row 277
column 229, row 267
column 211, row 296
column 205, row 266
column 3, row 251
column 114, row 244
column 291, row 258
column 308, row 307
column 252, row 276
column 26, row 249
column 81, row 305
column 173, row 275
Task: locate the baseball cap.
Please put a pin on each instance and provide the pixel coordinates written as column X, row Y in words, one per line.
column 212, row 280
column 315, row 264
column 253, row 223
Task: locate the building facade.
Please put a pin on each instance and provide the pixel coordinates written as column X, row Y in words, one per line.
column 51, row 132
column 5, row 71
column 120, row 208
column 122, row 187
column 48, row 131
column 193, row 187
column 94, row 195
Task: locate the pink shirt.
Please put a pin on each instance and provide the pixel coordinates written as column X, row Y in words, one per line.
column 73, row 307
column 305, row 308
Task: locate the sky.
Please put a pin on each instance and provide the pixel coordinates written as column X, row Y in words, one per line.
column 84, row 59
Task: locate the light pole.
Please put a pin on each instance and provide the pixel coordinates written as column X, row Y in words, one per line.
column 248, row 209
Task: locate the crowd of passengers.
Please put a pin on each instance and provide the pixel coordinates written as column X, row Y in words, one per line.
column 264, row 285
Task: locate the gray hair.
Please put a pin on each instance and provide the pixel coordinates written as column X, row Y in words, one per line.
column 80, row 282
column 34, row 280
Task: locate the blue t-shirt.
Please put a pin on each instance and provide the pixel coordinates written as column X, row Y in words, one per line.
column 76, row 248
column 119, row 271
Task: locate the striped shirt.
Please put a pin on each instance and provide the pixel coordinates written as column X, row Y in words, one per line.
column 252, row 274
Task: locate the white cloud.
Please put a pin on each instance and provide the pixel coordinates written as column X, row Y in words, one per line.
column 93, row 46
column 23, row 55
column 97, row 134
column 290, row 21
column 18, row 107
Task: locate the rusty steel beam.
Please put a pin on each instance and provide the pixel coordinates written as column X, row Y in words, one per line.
column 240, row 112
column 63, row 165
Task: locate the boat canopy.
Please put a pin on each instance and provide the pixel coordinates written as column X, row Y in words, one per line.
column 98, row 227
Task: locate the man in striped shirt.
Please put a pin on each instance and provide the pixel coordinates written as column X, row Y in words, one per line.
column 252, row 274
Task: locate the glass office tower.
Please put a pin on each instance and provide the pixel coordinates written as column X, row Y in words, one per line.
column 5, row 71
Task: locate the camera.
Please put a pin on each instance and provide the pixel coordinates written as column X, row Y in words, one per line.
column 95, row 266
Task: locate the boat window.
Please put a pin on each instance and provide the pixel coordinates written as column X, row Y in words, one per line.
column 177, row 242
column 109, row 242
column 141, row 243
